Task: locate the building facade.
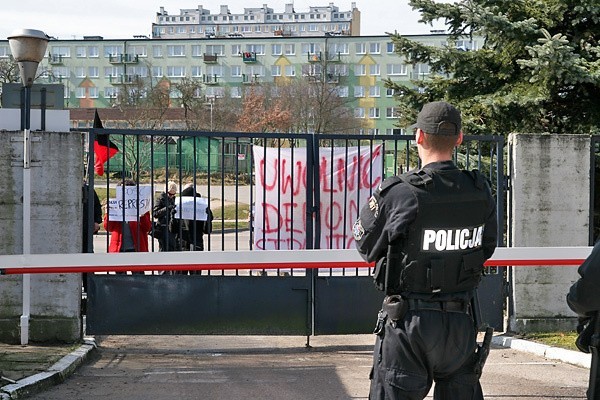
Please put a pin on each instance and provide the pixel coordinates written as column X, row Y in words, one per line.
column 93, row 70
column 257, row 22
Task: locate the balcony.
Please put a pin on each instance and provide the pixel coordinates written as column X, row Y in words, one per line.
column 55, row 59
column 314, row 57
column 248, row 79
column 281, row 32
column 210, row 79
column 124, row 79
column 249, row 57
column 123, row 58
column 210, row 58
column 333, row 57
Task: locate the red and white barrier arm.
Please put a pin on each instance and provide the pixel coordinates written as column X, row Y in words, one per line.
column 257, row 259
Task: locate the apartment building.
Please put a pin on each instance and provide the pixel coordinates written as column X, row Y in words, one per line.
column 257, row 22
column 94, row 69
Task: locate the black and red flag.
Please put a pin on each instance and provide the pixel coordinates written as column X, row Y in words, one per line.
column 103, row 147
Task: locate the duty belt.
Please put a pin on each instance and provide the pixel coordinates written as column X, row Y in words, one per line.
column 447, row 306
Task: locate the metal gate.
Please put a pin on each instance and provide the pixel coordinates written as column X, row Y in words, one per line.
column 291, row 302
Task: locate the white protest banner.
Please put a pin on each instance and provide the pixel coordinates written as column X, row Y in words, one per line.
column 131, row 201
column 347, row 177
column 185, row 208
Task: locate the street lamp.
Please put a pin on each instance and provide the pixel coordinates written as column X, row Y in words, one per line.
column 28, row 47
column 210, row 103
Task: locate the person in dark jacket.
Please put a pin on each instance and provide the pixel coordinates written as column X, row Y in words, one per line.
column 164, row 211
column 192, row 231
column 583, row 298
column 429, row 232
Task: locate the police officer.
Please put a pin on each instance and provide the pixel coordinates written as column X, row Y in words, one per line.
column 429, row 232
column 584, row 300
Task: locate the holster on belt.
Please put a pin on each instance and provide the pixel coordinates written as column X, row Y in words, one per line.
column 395, row 307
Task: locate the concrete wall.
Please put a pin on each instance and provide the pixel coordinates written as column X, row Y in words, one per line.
column 550, row 206
column 56, row 214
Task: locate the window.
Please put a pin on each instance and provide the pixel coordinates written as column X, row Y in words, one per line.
column 374, row 91
column 112, row 51
column 181, row 29
column 259, row 49
column 342, row 91
column 389, row 92
column 373, row 112
column 196, row 71
column 421, row 70
column 360, row 70
column 361, row 48
column 157, row 72
column 80, row 92
column 313, row 28
column 341, row 48
column 374, row 48
column 80, row 72
column 390, row 112
column 93, row 52
column 93, row 91
column 4, row 52
column 157, row 51
column 175, row 71
column 112, row 71
column 61, row 51
column 235, row 92
column 236, row 49
column 255, row 70
column 359, row 112
column 214, row 70
column 138, row 50
column 396, row 69
column 276, row 49
column 196, row 50
column 275, row 70
column 359, row 91
column 80, row 51
column 389, row 47
column 137, row 70
column 236, row 71
column 61, row 72
column 289, row 49
column 93, row 72
column 374, row 69
column 311, row 48
column 175, row 50
column 217, row 49
column 290, row 70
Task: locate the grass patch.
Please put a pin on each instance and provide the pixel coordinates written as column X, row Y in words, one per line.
column 565, row 340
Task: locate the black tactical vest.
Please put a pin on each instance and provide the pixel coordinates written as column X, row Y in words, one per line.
column 443, row 252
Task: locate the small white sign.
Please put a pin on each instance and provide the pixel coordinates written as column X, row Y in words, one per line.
column 185, row 208
column 131, row 205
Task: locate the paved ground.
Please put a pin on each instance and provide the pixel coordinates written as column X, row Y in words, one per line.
column 261, row 367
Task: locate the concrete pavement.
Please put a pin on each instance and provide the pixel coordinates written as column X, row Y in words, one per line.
column 334, row 366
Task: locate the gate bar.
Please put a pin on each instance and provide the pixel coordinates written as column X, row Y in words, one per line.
column 264, row 259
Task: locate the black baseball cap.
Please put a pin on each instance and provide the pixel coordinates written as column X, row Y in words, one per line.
column 439, row 118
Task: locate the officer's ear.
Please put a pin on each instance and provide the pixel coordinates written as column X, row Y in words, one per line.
column 419, row 136
column 459, row 140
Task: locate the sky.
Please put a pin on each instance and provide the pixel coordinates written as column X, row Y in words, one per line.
column 122, row 19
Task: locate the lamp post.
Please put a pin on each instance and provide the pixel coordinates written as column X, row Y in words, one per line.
column 28, row 47
column 210, row 103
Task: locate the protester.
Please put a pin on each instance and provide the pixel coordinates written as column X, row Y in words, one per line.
column 167, row 227
column 128, row 236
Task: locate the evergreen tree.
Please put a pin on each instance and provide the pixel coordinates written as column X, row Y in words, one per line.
column 536, row 71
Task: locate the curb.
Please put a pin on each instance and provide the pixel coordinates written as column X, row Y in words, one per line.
column 553, row 353
column 54, row 375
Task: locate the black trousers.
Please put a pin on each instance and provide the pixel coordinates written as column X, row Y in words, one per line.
column 426, row 346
